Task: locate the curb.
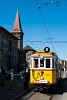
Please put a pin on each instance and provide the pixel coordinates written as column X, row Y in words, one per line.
column 22, row 94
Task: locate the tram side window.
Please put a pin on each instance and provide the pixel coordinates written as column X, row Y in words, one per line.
column 52, row 63
column 31, row 63
column 41, row 62
column 47, row 63
column 35, row 63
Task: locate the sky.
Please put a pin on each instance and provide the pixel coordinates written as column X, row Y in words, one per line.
column 44, row 23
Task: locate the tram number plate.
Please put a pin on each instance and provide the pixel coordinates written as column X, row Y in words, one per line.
column 42, row 81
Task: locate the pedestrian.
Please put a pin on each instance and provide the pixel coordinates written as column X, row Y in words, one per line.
column 25, row 77
column 21, row 73
column 3, row 75
column 10, row 79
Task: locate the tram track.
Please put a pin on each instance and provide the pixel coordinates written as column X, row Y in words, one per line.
column 32, row 94
column 36, row 96
column 22, row 94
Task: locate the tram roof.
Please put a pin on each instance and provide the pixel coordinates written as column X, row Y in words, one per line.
column 43, row 53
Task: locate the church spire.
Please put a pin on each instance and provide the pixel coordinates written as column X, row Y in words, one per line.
column 17, row 24
column 17, row 31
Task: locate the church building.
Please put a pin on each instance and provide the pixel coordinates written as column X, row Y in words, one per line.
column 18, row 32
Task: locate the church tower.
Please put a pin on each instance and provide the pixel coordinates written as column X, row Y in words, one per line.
column 17, row 31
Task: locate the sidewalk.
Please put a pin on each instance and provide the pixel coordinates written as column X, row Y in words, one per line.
column 6, row 94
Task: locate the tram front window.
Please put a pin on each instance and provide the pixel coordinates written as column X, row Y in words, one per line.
column 41, row 62
column 47, row 63
column 35, row 63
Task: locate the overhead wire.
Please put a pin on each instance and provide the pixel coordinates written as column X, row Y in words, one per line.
column 30, row 41
column 12, row 7
column 35, row 41
column 31, row 5
column 12, row 26
column 5, row 19
column 44, row 22
column 48, row 41
column 56, row 41
column 41, row 16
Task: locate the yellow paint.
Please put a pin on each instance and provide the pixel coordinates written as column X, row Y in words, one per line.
column 49, row 75
column 43, row 53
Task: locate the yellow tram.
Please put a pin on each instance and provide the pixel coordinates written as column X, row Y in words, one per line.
column 45, row 68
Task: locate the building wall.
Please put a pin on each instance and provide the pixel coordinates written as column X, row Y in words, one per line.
column 64, row 63
column 28, row 55
column 8, row 49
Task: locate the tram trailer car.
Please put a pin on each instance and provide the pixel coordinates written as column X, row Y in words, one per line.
column 45, row 68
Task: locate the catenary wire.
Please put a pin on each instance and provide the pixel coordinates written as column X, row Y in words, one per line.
column 34, row 41
column 44, row 22
column 25, row 6
column 6, row 19
column 31, row 41
column 31, row 5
